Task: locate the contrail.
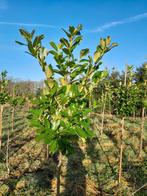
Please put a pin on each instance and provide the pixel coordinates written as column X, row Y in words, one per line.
column 97, row 30
column 29, row 25
column 119, row 22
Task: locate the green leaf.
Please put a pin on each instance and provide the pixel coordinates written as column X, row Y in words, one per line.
column 53, row 145
column 20, row 43
column 37, row 40
column 48, row 71
column 31, row 49
column 25, row 34
column 53, row 52
column 97, row 76
column 66, row 51
column 54, row 45
column 68, row 34
column 82, row 133
column 71, row 29
column 97, row 56
column 113, row 45
column 77, row 30
column 108, row 40
column 84, row 52
column 64, row 42
column 33, row 32
column 102, row 43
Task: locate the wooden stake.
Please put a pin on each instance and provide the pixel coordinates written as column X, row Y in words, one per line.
column 103, row 114
column 12, row 119
column 121, row 151
column 7, row 152
column 1, row 126
column 141, row 134
column 121, row 137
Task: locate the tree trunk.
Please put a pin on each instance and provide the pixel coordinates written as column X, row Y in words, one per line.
column 59, row 172
column 121, row 151
column 1, row 124
column 142, row 130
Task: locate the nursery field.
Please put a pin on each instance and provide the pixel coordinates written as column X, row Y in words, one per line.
column 73, row 98
column 92, row 169
column 81, row 131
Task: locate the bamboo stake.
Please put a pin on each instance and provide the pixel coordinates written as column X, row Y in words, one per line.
column 47, row 151
column 12, row 119
column 121, row 151
column 7, row 152
column 121, row 137
column 139, row 189
column 103, row 114
column 13, row 109
column 1, row 126
column 141, row 134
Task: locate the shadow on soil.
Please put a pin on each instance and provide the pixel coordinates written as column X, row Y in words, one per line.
column 75, row 180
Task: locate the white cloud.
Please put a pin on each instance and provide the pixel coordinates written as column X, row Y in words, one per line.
column 3, row 5
column 119, row 22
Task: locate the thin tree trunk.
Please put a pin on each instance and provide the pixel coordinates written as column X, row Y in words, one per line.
column 121, row 151
column 59, row 173
column 141, row 134
column 1, row 124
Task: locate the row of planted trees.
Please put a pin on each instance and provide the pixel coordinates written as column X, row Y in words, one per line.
column 7, row 100
column 74, row 87
column 126, row 98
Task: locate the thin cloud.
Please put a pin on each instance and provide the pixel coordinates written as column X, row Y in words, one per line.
column 97, row 30
column 29, row 24
column 119, row 22
column 3, row 5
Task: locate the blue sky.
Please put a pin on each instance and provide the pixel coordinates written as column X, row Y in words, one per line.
column 124, row 20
